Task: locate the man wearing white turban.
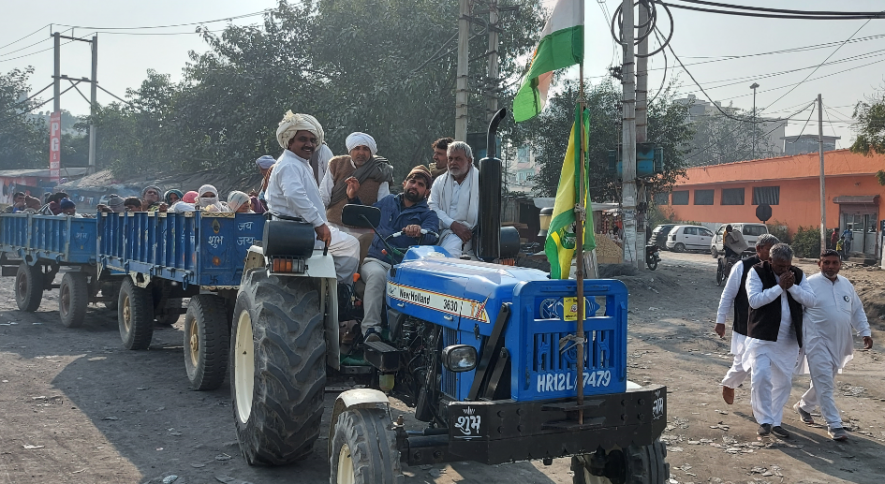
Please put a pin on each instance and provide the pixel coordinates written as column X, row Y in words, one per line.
column 373, row 173
column 320, row 155
column 292, row 191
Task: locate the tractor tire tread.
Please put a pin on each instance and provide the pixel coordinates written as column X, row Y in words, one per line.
column 141, row 316
column 372, row 444
column 77, row 284
column 214, row 341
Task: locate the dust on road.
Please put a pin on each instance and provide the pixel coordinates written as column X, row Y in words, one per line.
column 76, row 407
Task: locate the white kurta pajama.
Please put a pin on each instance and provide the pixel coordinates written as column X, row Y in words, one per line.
column 736, row 374
column 455, row 202
column 828, row 341
column 292, row 191
column 773, row 362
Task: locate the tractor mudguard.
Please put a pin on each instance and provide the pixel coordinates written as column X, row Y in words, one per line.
column 356, row 398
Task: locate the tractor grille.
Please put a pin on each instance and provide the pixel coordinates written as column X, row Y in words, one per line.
column 597, row 352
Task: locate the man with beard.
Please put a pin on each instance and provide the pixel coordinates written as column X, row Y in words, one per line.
column 735, row 296
column 407, row 213
column 776, row 293
column 455, row 199
column 373, row 173
column 292, row 191
column 440, row 157
column 829, row 345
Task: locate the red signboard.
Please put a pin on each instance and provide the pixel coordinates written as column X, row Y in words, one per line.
column 54, row 146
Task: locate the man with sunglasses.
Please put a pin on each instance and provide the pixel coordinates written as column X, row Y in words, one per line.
column 828, row 340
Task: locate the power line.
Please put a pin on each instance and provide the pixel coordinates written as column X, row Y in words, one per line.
column 778, row 10
column 33, row 53
column 23, row 48
column 831, row 125
column 806, row 121
column 870, row 16
column 25, row 37
column 225, row 19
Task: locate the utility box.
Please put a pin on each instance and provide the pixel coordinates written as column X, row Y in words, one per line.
column 649, row 160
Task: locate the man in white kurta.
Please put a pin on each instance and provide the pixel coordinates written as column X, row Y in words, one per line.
column 734, row 297
column 455, row 199
column 292, row 191
column 774, row 335
column 829, row 343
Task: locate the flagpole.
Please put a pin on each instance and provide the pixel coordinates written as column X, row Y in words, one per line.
column 580, row 217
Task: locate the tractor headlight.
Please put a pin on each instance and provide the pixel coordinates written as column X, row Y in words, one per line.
column 459, row 358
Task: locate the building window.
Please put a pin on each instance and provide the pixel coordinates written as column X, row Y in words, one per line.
column 703, row 197
column 662, row 198
column 769, row 195
column 732, row 196
column 680, row 197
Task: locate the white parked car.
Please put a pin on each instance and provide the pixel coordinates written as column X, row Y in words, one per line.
column 689, row 237
column 751, row 233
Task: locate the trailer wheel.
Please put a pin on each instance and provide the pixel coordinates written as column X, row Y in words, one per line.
column 73, row 297
column 635, row 465
column 364, row 449
column 28, row 287
column 135, row 315
column 111, row 292
column 206, row 340
column 278, row 368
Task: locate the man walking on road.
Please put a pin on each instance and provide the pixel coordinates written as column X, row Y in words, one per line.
column 735, row 296
column 829, row 345
column 849, row 237
column 776, row 293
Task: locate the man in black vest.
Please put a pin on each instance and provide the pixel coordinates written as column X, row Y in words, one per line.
column 776, row 293
column 735, row 296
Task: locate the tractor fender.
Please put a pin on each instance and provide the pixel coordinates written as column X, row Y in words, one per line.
column 356, row 398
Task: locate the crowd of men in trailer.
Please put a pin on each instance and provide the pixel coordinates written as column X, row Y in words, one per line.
column 785, row 323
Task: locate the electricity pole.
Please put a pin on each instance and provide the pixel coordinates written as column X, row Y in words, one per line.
column 642, row 122
column 93, row 104
column 823, row 196
column 463, row 61
column 493, row 60
column 628, row 140
column 56, row 77
column 753, row 87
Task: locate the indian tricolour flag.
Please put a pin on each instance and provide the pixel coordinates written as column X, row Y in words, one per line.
column 562, row 45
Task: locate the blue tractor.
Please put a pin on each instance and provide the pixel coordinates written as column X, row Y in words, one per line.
column 485, row 353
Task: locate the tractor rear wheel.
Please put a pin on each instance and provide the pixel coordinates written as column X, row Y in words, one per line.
column 73, row 297
column 28, row 287
column 278, row 368
column 206, row 340
column 633, row 465
column 135, row 315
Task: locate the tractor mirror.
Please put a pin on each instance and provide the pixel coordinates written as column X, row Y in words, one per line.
column 362, row 216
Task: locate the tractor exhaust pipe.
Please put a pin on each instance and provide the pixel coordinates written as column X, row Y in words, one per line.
column 488, row 247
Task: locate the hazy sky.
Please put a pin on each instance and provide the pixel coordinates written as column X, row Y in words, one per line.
column 698, row 37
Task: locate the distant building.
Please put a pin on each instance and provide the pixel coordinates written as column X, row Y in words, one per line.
column 771, row 131
column 522, row 170
column 807, row 143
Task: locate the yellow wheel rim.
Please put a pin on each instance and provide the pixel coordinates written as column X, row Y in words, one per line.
column 194, row 341
column 244, row 367
column 345, row 466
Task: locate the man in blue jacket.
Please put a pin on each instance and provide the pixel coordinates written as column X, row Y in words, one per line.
column 408, row 213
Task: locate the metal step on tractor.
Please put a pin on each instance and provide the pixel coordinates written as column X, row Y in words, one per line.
column 485, row 353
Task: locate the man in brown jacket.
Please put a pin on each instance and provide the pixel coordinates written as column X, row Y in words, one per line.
column 373, row 173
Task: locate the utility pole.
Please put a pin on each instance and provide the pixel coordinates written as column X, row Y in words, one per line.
column 463, row 61
column 628, row 140
column 93, row 104
column 823, row 196
column 493, row 61
column 642, row 122
column 753, row 87
column 56, row 77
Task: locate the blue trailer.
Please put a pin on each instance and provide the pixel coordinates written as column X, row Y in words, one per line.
column 167, row 257
column 35, row 248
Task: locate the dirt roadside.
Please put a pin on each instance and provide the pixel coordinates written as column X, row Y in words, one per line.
column 76, row 407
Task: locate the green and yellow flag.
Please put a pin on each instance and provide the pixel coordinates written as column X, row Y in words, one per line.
column 560, row 243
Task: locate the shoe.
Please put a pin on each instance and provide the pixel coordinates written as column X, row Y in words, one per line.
column 805, row 416
column 728, row 395
column 779, row 432
column 838, row 434
column 764, row 430
column 372, row 338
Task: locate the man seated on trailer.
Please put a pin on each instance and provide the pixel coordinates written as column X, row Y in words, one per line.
column 455, row 199
column 407, row 213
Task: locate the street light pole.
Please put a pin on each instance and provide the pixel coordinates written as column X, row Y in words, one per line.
column 753, row 87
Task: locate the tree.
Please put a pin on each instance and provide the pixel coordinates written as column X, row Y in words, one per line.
column 870, row 129
column 24, row 140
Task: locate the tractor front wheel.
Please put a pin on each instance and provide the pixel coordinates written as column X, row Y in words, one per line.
column 633, row 465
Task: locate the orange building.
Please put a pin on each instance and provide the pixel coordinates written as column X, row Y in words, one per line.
column 791, row 185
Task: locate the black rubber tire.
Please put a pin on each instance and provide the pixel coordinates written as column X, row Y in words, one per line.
column 720, row 272
column 135, row 316
column 651, row 262
column 714, row 252
column 28, row 287
column 206, row 341
column 680, row 247
column 635, row 465
column 73, row 297
column 370, row 444
column 170, row 314
column 288, row 353
column 111, row 291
